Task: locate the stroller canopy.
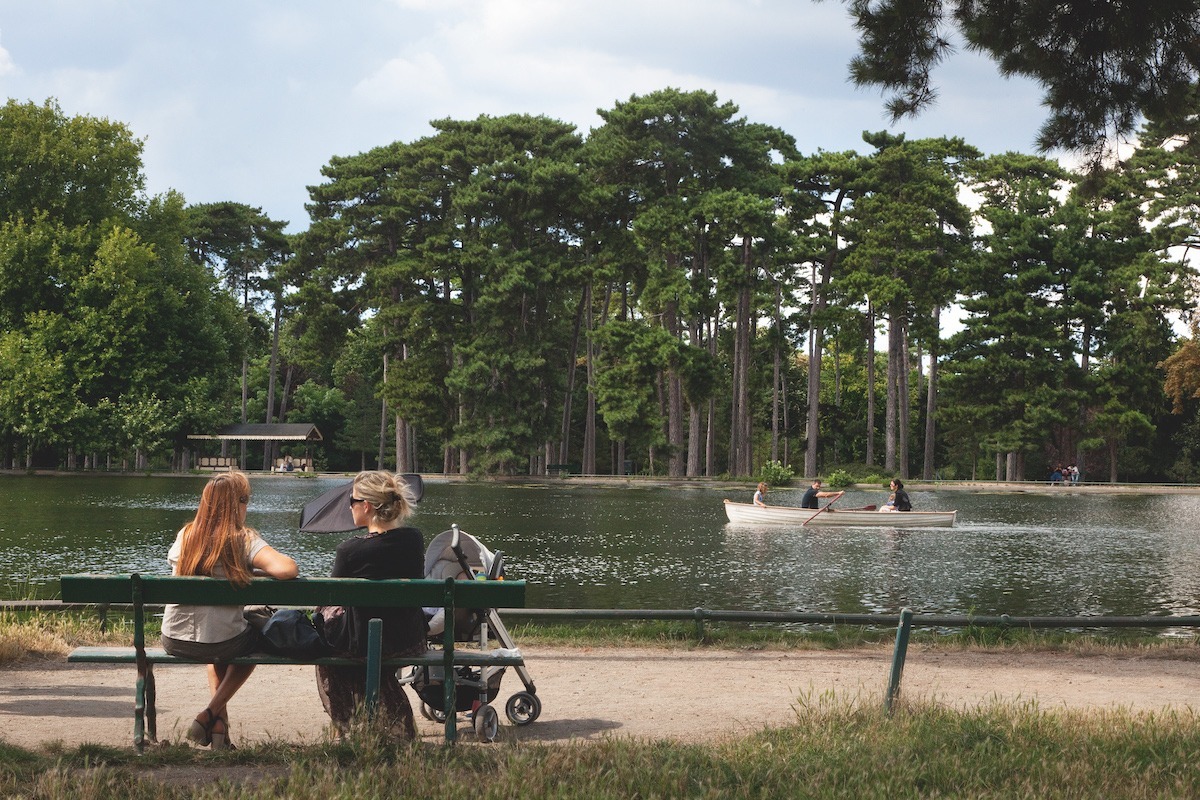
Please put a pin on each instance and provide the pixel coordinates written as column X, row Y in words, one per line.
column 442, row 562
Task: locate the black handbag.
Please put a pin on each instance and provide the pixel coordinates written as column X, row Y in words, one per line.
column 289, row 632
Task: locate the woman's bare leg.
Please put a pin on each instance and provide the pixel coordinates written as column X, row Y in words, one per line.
column 223, row 681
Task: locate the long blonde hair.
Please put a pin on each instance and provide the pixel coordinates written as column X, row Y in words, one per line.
column 217, row 535
column 388, row 496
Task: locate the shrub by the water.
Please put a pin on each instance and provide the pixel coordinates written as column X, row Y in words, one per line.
column 775, row 473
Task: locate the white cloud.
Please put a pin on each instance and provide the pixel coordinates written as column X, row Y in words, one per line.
column 247, row 101
column 400, row 81
column 7, row 66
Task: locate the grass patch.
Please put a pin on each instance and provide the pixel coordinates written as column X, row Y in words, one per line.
column 766, row 636
column 834, row 750
column 46, row 634
column 41, row 634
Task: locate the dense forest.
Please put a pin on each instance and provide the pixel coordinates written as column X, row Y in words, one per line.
column 678, row 292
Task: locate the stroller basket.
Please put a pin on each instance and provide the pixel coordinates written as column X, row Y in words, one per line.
column 471, row 687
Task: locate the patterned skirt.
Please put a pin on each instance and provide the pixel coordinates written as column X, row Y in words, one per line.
column 343, row 693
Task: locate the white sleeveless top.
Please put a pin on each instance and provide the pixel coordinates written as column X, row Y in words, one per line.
column 207, row 624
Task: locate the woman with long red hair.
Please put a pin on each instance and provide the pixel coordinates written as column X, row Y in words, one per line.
column 218, row 543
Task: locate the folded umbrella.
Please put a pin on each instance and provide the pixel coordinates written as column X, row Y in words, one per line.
column 329, row 512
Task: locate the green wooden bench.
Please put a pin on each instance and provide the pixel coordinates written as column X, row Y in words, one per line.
column 154, row 590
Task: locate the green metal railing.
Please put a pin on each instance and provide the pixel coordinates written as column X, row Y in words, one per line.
column 903, row 622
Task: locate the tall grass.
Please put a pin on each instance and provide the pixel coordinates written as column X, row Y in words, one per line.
column 34, row 635
column 834, row 750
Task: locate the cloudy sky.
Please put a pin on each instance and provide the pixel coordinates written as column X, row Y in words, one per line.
column 245, row 100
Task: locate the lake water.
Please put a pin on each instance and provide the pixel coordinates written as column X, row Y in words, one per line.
column 1042, row 554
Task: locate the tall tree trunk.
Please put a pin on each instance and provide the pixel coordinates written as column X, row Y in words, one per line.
column 891, row 402
column 816, row 344
column 928, row 468
column 1085, row 347
column 743, row 453
column 269, row 447
column 740, row 454
column 245, row 403
column 870, row 455
column 383, row 420
column 403, row 446
column 564, row 444
column 710, row 434
column 776, row 371
column 903, row 407
column 695, row 451
column 817, row 341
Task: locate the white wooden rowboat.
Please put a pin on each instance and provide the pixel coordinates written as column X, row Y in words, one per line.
column 750, row 514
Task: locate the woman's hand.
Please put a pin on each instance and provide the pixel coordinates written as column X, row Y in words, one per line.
column 272, row 563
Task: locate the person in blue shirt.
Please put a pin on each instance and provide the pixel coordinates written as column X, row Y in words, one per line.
column 760, row 495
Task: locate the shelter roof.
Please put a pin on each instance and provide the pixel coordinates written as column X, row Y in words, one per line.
column 264, row 431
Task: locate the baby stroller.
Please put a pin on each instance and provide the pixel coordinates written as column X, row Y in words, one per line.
column 459, row 555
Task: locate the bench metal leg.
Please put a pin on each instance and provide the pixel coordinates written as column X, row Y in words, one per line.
column 151, row 704
column 139, row 704
column 374, row 660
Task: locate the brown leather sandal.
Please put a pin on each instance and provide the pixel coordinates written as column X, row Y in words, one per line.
column 201, row 730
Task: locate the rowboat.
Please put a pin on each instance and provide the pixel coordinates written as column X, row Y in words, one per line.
column 750, row 514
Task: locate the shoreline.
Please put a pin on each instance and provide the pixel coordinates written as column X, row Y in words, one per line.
column 663, row 482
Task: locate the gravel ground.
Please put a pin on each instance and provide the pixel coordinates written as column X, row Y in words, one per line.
column 590, row 693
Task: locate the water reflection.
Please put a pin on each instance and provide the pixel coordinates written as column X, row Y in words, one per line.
column 1037, row 554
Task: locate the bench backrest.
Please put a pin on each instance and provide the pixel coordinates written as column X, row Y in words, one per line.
column 161, row 589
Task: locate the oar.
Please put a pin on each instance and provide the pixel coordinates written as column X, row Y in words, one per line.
column 819, row 510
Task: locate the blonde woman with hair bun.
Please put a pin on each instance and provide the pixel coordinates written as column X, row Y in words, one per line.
column 379, row 502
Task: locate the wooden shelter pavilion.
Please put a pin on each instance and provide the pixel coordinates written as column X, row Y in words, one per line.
column 258, row 432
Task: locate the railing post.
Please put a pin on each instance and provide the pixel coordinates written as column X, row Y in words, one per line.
column 699, row 614
column 144, row 676
column 374, row 662
column 902, row 633
column 449, row 694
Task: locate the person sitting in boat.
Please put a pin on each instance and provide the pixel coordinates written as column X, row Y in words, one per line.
column 810, row 497
column 760, row 495
column 898, row 500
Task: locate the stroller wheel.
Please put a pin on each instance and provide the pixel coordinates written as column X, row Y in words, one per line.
column 431, row 713
column 523, row 708
column 487, row 723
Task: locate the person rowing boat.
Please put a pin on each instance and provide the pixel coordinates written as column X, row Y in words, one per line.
column 814, row 492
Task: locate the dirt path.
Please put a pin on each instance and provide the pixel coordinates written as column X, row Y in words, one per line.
column 592, row 693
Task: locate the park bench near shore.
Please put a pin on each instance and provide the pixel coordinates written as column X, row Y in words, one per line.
column 216, row 463
column 154, row 590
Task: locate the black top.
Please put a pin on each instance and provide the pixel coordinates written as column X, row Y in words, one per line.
column 810, row 498
column 902, row 501
column 398, row 553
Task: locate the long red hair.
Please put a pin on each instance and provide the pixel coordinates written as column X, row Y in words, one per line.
column 217, row 535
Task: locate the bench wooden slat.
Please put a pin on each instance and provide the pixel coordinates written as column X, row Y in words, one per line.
column 156, row 655
column 158, row 589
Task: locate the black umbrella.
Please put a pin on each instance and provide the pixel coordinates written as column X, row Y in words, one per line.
column 330, row 512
